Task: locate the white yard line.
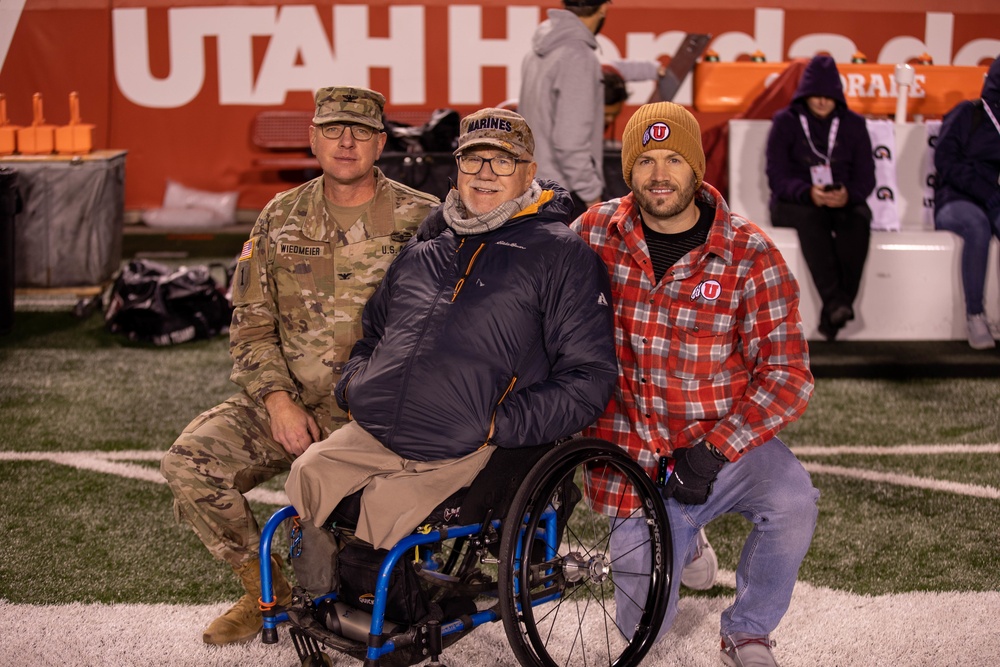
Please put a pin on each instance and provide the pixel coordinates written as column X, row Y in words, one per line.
column 898, row 450
column 108, row 462
column 906, row 480
column 116, row 463
column 975, row 490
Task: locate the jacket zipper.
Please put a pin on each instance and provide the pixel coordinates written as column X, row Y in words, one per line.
column 493, row 419
column 468, row 270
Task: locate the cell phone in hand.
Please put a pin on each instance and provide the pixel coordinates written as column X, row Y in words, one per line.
column 829, row 187
column 664, row 468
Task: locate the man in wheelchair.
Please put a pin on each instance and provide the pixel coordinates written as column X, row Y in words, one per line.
column 493, row 330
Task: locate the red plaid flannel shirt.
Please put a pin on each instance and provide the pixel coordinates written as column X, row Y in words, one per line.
column 716, row 351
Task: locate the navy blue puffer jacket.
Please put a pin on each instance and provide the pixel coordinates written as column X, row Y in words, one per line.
column 511, row 328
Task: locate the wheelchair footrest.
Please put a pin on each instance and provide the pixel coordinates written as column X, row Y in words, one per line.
column 308, row 636
column 307, row 648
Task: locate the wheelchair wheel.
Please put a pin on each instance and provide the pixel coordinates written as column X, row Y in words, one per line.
column 558, row 606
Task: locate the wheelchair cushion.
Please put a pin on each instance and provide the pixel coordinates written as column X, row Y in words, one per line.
column 496, row 485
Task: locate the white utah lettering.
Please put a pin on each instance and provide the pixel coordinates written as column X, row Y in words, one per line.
column 469, row 52
column 298, row 55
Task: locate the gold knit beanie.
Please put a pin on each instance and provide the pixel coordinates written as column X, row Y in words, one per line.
column 663, row 125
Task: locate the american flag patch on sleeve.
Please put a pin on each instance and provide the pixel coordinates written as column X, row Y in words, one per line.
column 247, row 251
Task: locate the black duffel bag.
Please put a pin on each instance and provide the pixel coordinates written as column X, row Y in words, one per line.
column 154, row 303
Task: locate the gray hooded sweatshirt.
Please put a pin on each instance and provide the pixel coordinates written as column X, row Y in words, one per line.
column 562, row 98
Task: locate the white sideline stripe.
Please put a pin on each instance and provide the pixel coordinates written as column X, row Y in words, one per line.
column 900, row 450
column 822, row 627
column 906, row 480
column 106, row 462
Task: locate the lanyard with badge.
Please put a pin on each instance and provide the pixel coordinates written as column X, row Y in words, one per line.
column 822, row 174
column 989, row 112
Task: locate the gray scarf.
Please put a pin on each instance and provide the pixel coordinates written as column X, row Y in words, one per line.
column 457, row 216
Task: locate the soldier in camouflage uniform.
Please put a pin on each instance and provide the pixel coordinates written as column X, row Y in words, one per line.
column 314, row 257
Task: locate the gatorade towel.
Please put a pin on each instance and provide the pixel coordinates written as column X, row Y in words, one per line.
column 933, row 128
column 882, row 201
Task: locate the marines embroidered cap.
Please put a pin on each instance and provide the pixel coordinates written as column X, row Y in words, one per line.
column 349, row 105
column 496, row 128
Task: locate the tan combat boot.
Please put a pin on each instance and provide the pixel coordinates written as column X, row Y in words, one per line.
column 243, row 620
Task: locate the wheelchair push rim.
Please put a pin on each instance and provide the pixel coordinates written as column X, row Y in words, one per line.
column 557, row 595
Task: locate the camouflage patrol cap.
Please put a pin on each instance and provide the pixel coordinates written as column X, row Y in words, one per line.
column 497, row 128
column 349, row 105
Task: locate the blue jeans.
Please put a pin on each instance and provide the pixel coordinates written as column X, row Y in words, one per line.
column 773, row 491
column 971, row 223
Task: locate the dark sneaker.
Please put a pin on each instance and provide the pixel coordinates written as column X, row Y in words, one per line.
column 827, row 330
column 841, row 315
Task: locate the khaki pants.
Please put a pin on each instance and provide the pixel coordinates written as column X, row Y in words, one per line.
column 398, row 493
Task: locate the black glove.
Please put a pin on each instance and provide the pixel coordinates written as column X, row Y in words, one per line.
column 695, row 469
column 431, row 227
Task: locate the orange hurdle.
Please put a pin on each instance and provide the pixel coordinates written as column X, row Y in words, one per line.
column 76, row 138
column 38, row 138
column 8, row 132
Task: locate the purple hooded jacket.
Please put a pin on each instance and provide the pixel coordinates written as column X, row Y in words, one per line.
column 789, row 156
column 967, row 156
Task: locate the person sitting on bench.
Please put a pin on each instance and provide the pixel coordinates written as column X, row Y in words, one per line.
column 494, row 329
column 967, row 194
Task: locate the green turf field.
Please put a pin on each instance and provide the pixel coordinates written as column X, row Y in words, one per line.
column 93, row 569
column 68, row 386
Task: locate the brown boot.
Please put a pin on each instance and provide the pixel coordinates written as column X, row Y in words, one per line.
column 243, row 621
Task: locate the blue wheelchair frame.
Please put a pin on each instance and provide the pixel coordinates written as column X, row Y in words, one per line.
column 376, row 647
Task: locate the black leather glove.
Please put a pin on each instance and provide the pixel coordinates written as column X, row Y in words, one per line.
column 431, row 227
column 695, row 469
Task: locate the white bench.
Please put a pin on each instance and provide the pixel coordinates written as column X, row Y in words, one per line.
column 912, row 285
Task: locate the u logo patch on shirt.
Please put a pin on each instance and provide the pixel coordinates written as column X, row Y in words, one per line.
column 709, row 290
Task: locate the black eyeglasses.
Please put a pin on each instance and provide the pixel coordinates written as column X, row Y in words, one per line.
column 501, row 165
column 336, row 131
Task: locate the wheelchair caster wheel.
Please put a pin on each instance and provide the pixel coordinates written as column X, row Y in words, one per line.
column 318, row 660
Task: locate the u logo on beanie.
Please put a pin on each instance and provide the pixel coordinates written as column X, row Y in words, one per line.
column 656, row 132
column 663, row 125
